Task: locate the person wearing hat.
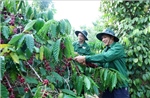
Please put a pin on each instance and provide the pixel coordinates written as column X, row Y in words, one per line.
column 80, row 46
column 113, row 56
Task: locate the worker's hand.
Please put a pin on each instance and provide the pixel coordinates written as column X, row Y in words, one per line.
column 80, row 59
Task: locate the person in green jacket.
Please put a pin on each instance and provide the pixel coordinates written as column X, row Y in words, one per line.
column 80, row 46
column 113, row 56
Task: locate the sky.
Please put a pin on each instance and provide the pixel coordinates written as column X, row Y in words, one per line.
column 78, row 13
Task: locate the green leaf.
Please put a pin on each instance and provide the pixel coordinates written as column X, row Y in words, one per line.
column 105, row 74
column 135, row 60
column 15, row 57
column 79, row 84
column 51, row 79
column 126, row 40
column 2, row 70
column 68, row 27
column 138, row 48
column 43, row 71
column 56, row 49
column 41, row 52
column 114, row 81
column 38, row 24
column 31, row 80
column 92, row 82
column 20, row 5
column 29, row 42
column 4, row 91
column 15, row 38
column 50, row 15
column 29, row 25
column 68, row 96
column 53, row 30
column 101, row 74
column 57, row 76
column 87, row 82
column 5, row 31
column 69, row 92
column 22, row 67
column 44, row 30
column 47, row 52
column 62, row 26
column 38, row 92
column 68, row 50
column 29, row 12
column 20, row 42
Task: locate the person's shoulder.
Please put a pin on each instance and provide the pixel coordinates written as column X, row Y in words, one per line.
column 117, row 44
column 74, row 43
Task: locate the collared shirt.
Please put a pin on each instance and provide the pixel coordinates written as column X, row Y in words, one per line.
column 111, row 57
column 83, row 49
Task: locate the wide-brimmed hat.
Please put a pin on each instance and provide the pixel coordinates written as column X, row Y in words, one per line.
column 84, row 33
column 107, row 32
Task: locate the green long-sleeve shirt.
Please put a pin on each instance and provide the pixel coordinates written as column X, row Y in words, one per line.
column 83, row 49
column 111, row 57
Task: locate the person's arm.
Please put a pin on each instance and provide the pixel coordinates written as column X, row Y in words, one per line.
column 113, row 53
column 110, row 55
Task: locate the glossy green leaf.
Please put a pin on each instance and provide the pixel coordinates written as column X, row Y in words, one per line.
column 53, row 29
column 87, row 82
column 4, row 91
column 50, row 15
column 41, row 53
column 79, row 85
column 5, row 31
column 29, row 42
column 38, row 24
column 29, row 12
column 15, row 38
column 114, row 81
column 20, row 42
column 68, row 50
column 48, row 52
column 43, row 71
column 105, row 74
column 62, row 26
column 135, row 60
column 44, row 30
column 31, row 80
column 69, row 92
column 2, row 70
column 68, row 27
column 56, row 49
column 57, row 76
column 15, row 57
column 29, row 26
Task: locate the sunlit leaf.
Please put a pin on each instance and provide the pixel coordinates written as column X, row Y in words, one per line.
column 29, row 25
column 4, row 45
column 87, row 82
column 41, row 53
column 15, row 38
column 15, row 57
